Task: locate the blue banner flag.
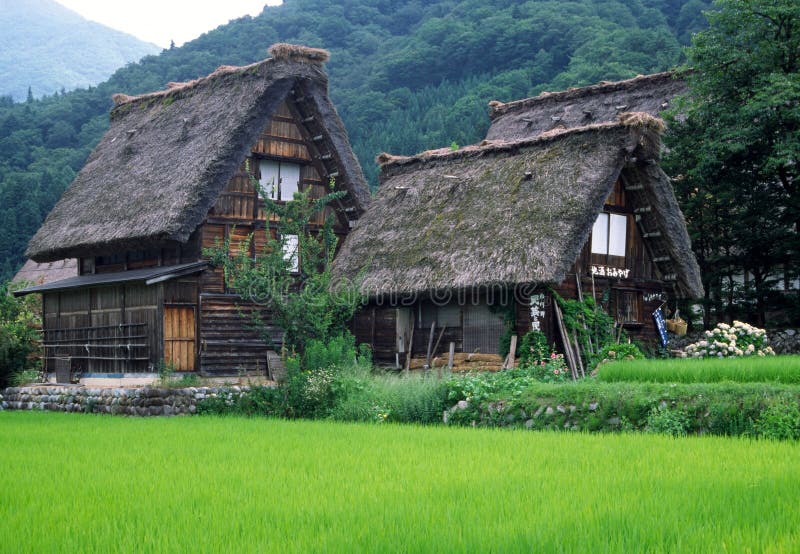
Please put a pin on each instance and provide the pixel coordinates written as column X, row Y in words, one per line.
column 661, row 326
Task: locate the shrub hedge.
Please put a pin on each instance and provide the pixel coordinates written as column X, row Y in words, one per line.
column 711, row 408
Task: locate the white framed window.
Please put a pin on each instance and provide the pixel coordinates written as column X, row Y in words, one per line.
column 291, row 252
column 609, row 235
column 279, row 180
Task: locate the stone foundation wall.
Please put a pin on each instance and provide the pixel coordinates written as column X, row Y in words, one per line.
column 145, row 401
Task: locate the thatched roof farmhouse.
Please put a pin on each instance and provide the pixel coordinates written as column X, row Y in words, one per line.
column 173, row 175
column 519, row 210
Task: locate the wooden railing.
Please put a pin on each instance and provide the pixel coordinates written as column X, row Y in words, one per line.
column 125, row 343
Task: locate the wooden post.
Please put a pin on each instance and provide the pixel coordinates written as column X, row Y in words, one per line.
column 410, row 349
column 451, row 356
column 512, row 353
column 430, row 346
column 436, row 346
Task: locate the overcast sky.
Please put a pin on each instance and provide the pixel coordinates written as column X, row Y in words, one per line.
column 160, row 21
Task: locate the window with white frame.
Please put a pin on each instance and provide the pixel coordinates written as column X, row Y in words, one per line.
column 609, row 235
column 291, row 252
column 279, row 180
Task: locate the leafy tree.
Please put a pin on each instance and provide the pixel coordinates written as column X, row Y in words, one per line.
column 19, row 338
column 292, row 275
column 734, row 150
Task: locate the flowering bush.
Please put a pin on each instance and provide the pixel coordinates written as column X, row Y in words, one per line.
column 551, row 370
column 739, row 339
column 533, row 348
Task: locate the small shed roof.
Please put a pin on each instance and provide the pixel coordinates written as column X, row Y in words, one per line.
column 167, row 156
column 148, row 275
column 46, row 272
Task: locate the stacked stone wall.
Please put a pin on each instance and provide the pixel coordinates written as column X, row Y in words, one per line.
column 147, row 401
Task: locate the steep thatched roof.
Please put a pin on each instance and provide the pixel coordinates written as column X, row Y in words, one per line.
column 508, row 213
column 168, row 155
column 583, row 106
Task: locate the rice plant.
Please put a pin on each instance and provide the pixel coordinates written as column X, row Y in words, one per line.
column 82, row 483
column 771, row 369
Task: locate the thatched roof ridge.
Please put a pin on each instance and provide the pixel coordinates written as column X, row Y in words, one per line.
column 280, row 52
column 653, row 126
column 498, row 214
column 579, row 107
column 166, row 157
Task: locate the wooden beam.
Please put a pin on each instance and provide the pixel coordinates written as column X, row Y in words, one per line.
column 430, row 345
column 451, row 356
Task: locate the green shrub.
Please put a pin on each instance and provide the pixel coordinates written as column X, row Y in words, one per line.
column 780, row 421
column 19, row 336
column 24, row 377
column 716, row 408
column 616, row 351
column 669, row 422
column 338, row 351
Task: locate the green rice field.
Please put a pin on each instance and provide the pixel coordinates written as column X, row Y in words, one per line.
column 83, row 483
column 749, row 369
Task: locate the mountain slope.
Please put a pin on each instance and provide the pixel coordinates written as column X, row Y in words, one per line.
column 48, row 47
column 406, row 75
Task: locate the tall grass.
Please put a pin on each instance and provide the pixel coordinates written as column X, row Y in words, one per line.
column 395, row 398
column 751, row 369
column 78, row 483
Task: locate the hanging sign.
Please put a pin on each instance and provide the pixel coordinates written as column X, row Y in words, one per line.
column 661, row 326
column 605, row 271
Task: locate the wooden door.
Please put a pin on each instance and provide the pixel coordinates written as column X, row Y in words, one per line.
column 179, row 337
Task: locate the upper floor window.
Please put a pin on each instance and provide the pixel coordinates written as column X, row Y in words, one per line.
column 279, row 180
column 609, row 235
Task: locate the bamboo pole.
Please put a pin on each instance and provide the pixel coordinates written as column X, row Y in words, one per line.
column 578, row 353
column 565, row 340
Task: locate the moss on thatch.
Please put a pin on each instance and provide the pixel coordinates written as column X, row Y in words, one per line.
column 167, row 156
column 499, row 212
column 579, row 107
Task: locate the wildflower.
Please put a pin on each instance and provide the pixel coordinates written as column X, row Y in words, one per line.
column 555, row 371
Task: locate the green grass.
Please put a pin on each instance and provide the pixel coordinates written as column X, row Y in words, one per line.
column 82, row 483
column 770, row 369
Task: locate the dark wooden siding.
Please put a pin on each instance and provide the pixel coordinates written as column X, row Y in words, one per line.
column 229, row 343
column 109, row 329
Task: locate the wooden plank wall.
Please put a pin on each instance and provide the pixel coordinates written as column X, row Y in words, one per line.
column 377, row 327
column 228, row 341
column 92, row 325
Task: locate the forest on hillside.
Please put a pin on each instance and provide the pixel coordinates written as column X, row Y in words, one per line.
column 405, row 75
